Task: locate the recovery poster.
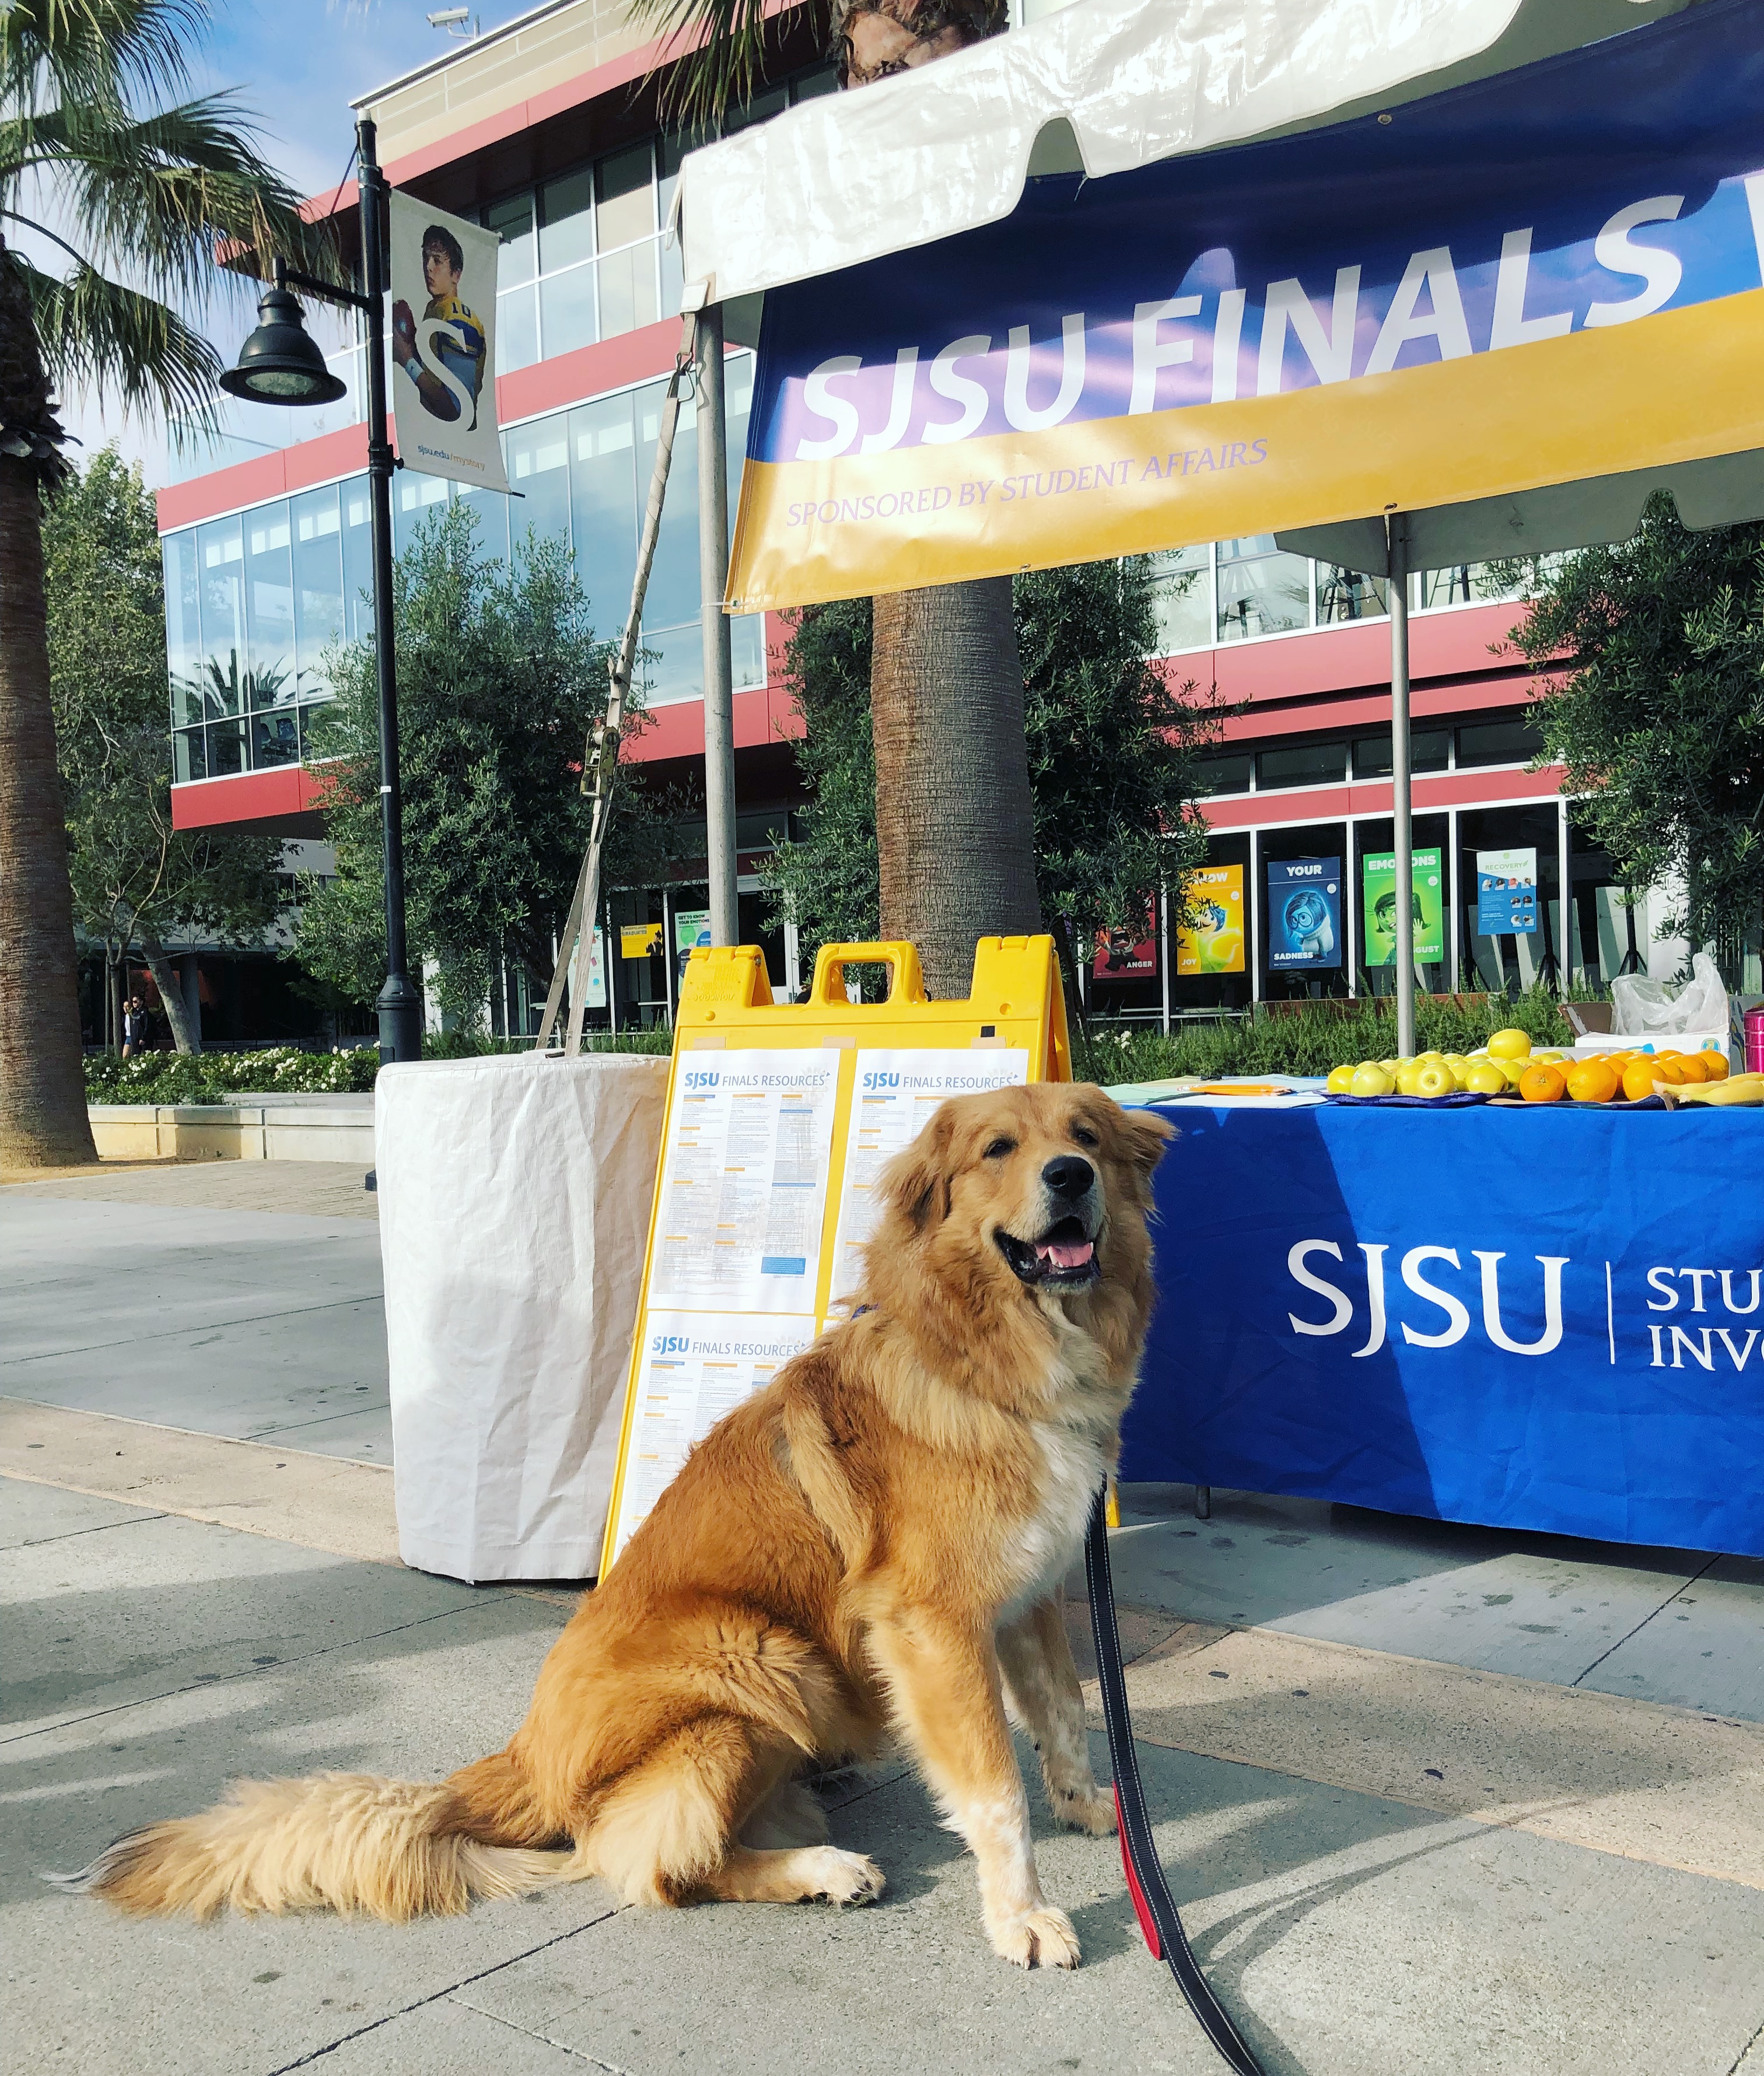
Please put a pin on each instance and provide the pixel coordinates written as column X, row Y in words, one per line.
column 1567, row 259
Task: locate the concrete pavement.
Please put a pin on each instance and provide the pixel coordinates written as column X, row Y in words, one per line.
column 1432, row 1799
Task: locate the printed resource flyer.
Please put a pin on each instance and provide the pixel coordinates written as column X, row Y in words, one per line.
column 1304, row 914
column 695, row 1368
column 1378, row 870
column 1506, row 893
column 743, row 1182
column 893, row 1096
column 1216, row 945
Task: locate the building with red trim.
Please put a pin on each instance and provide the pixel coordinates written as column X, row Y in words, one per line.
column 546, row 130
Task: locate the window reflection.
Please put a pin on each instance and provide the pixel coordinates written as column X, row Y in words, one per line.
column 1261, row 590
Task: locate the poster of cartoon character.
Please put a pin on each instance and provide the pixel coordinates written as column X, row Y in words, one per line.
column 1304, row 914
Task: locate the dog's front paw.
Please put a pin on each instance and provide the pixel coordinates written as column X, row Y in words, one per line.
column 1040, row 1938
column 843, row 1877
column 1090, row 1809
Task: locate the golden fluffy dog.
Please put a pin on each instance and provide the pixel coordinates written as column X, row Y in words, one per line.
column 876, row 1541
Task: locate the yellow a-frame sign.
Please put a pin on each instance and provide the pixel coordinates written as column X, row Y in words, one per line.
column 779, row 1118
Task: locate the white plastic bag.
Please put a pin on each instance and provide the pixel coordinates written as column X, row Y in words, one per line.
column 1642, row 1008
column 514, row 1211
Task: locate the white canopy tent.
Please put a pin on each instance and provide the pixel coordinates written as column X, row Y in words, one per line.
column 1106, row 85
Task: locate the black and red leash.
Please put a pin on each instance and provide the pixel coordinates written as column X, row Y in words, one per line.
column 1152, row 1903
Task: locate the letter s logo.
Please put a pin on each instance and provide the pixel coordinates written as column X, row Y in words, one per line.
column 1343, row 1305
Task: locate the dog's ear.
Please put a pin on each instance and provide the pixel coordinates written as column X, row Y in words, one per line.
column 916, row 1182
column 1143, row 1137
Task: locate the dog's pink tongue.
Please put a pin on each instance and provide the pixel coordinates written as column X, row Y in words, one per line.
column 1067, row 1253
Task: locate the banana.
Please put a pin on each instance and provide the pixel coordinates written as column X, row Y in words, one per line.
column 1741, row 1089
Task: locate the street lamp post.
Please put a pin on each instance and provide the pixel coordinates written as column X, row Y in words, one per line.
column 280, row 363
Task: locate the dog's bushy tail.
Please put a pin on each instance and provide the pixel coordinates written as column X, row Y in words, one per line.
column 350, row 1842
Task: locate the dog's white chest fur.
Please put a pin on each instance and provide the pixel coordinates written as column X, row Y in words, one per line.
column 1045, row 1547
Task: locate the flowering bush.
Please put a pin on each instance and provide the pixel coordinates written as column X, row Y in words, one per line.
column 216, row 1077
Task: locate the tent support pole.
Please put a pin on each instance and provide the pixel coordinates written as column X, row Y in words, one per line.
column 1396, row 527
column 719, row 669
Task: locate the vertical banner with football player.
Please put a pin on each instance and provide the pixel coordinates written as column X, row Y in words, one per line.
column 442, row 326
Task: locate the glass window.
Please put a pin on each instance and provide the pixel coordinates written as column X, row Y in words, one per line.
column 274, row 739
column 221, row 553
column 1513, row 741
column 747, row 646
column 604, row 506
column 566, row 221
column 491, row 508
column 413, row 496
column 625, row 197
column 1223, row 774
column 1452, row 586
column 357, row 513
column 813, row 85
column 517, row 330
column 1430, row 749
column 269, row 604
column 567, row 309
column 1343, row 595
column 629, row 296
column 1261, row 591
column 1182, row 596
column 318, row 586
column 737, row 402
column 183, row 626
column 513, row 221
column 226, row 748
column 670, row 665
column 672, row 279
column 762, row 109
column 674, row 582
column 539, row 466
column 189, row 755
column 1302, row 764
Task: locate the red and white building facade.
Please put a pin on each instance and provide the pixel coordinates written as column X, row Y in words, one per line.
column 547, row 130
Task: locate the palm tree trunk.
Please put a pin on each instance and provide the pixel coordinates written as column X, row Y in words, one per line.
column 955, row 829
column 43, row 1113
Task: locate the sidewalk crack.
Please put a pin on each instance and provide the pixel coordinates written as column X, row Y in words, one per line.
column 435, row 1996
column 1640, row 1626
column 529, row 2032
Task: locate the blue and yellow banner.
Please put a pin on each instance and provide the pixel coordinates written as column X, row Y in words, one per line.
column 1554, row 274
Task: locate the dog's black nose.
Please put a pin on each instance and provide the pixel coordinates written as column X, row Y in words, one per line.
column 1069, row 1176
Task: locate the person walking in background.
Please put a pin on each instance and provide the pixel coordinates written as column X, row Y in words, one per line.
column 134, row 1027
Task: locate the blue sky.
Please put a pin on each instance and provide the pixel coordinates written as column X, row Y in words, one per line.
column 295, row 65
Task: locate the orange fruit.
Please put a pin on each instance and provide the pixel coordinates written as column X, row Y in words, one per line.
column 1715, row 1066
column 1670, row 1067
column 1639, row 1077
column 1543, row 1084
column 1593, row 1081
column 1692, row 1069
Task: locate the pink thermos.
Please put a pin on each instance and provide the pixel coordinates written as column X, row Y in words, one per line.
column 1755, row 1041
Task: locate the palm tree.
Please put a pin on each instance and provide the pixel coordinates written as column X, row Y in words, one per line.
column 954, row 825
column 145, row 194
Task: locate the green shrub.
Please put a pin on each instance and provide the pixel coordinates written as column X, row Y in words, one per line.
column 215, row 1077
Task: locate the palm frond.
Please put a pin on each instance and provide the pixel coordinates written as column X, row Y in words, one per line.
column 721, row 44
column 171, row 195
column 94, row 332
column 56, row 51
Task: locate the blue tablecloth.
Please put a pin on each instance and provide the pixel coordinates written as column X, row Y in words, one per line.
column 1542, row 1318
